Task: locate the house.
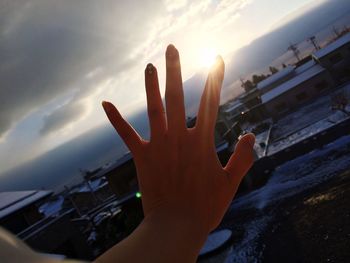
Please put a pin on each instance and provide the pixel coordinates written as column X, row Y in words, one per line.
column 121, row 176
column 295, row 85
column 232, row 111
column 89, row 194
column 276, row 79
column 19, row 213
column 308, row 82
column 19, row 209
column 250, row 99
column 336, row 58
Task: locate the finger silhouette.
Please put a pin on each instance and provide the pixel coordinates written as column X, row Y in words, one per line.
column 130, row 137
column 242, row 158
column 210, row 99
column 174, row 97
column 155, row 107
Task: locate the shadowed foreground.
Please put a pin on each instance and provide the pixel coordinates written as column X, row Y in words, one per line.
column 313, row 226
column 302, row 214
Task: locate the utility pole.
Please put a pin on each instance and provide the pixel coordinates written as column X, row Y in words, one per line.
column 336, row 32
column 313, row 41
column 87, row 182
column 296, row 52
column 72, row 201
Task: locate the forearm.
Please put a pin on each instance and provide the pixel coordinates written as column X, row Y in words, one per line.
column 161, row 237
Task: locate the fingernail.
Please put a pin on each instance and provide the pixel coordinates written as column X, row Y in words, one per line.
column 171, row 51
column 106, row 106
column 149, row 68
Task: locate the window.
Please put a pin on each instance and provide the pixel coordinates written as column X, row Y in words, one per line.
column 337, row 57
column 321, row 86
column 281, row 107
column 302, row 96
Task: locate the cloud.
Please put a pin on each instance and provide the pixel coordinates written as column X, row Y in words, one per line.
column 48, row 47
column 66, row 114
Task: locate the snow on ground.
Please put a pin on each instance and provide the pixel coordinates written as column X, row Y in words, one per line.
column 307, row 132
column 300, row 174
column 291, row 178
column 53, row 207
column 261, row 143
column 247, row 250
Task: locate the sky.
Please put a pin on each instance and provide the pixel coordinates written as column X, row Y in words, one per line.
column 60, row 59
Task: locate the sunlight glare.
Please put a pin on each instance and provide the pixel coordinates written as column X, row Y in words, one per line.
column 207, row 57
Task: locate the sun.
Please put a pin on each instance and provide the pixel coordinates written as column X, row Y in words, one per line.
column 207, row 57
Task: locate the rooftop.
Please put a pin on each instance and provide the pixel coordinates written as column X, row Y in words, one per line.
column 232, row 106
column 304, row 67
column 125, row 158
column 94, row 185
column 304, row 76
column 10, row 202
column 333, row 46
column 275, row 77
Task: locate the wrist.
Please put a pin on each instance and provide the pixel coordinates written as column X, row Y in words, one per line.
column 178, row 229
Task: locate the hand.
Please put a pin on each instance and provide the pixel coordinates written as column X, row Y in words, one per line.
column 178, row 170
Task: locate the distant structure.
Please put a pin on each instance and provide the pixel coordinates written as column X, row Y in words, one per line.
column 293, row 85
column 313, row 41
column 295, row 50
column 306, row 82
column 336, row 32
column 336, row 58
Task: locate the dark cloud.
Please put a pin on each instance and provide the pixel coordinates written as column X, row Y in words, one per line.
column 58, row 119
column 47, row 47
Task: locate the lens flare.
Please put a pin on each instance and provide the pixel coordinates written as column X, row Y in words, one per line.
column 207, row 57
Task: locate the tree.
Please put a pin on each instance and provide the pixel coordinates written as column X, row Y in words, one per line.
column 247, row 85
column 257, row 78
column 273, row 70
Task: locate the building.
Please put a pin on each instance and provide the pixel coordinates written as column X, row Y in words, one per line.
column 232, row 111
column 250, row 99
column 19, row 213
column 88, row 195
column 276, row 79
column 19, row 210
column 336, row 58
column 295, row 85
column 121, row 176
column 297, row 91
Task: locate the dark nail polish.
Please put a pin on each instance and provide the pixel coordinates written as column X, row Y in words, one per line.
column 150, row 68
column 106, row 106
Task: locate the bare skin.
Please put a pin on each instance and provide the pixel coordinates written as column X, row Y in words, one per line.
column 185, row 190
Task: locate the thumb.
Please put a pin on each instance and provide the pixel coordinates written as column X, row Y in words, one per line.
column 242, row 158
